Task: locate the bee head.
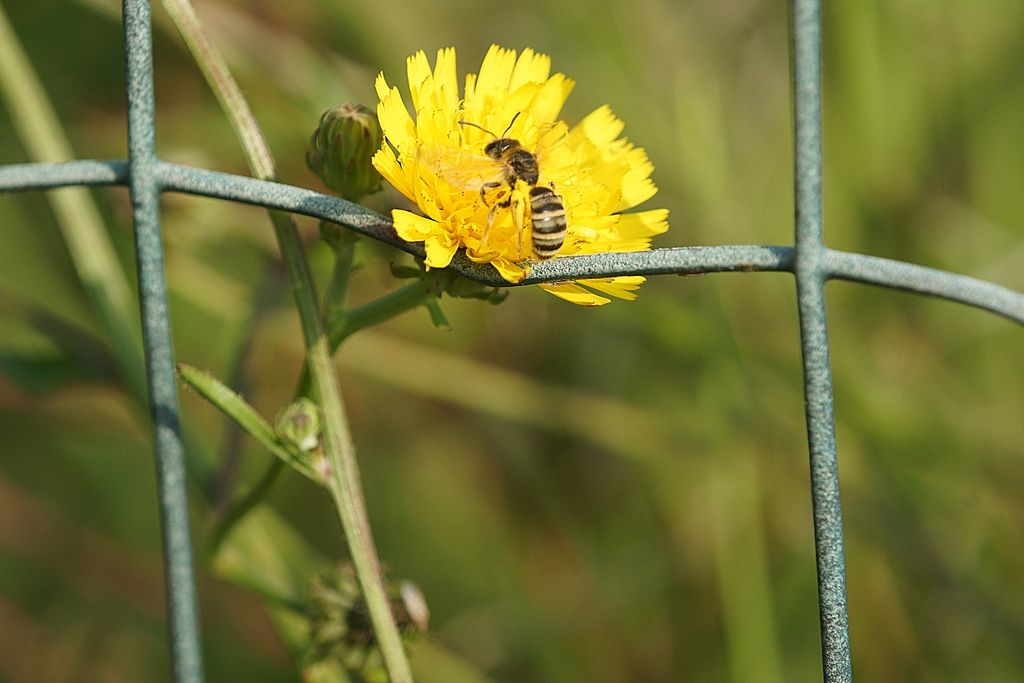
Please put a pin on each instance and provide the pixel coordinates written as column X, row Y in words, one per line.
column 500, row 146
column 497, row 149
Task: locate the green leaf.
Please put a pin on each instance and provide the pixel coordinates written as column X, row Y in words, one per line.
column 244, row 415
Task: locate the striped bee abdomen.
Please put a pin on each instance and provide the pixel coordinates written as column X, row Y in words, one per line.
column 547, row 214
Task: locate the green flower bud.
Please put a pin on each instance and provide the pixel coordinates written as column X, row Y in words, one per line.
column 298, row 425
column 341, row 148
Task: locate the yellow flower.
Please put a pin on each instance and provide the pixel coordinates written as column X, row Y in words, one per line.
column 436, row 158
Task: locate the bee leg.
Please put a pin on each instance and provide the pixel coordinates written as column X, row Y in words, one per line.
column 520, row 221
column 487, row 228
column 484, row 189
column 490, row 221
column 503, row 204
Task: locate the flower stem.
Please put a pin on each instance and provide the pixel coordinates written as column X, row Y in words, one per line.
column 373, row 313
column 380, row 310
column 345, row 483
column 343, row 245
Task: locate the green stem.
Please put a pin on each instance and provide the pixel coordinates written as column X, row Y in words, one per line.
column 345, row 482
column 380, row 310
column 373, row 313
column 227, row 92
column 343, row 245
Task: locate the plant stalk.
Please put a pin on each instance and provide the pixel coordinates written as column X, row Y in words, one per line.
column 345, row 481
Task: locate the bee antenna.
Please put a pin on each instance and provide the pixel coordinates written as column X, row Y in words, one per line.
column 511, row 122
column 475, row 125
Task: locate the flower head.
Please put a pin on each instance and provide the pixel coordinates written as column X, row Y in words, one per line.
column 475, row 196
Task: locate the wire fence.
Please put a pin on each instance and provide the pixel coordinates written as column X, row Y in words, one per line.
column 811, row 262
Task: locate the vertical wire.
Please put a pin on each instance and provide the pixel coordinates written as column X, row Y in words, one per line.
column 819, row 400
column 144, row 186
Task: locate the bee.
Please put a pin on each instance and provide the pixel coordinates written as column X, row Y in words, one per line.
column 547, row 210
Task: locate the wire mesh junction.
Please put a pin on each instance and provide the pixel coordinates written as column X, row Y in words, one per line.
column 809, row 260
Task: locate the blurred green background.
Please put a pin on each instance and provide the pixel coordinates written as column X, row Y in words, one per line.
column 605, row 495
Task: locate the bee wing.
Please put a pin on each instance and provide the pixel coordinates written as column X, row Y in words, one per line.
column 460, row 168
column 550, row 141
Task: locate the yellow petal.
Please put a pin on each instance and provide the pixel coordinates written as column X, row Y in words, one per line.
column 396, row 123
column 635, row 191
column 413, row 227
column 601, row 126
column 574, row 294
column 470, row 88
column 440, row 250
column 550, row 98
column 510, row 270
column 418, row 72
column 531, row 67
column 642, row 224
column 381, row 86
column 495, row 73
column 386, row 164
column 446, row 82
column 637, row 186
column 519, row 104
column 620, row 287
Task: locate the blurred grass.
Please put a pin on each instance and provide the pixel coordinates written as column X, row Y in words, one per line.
column 582, row 495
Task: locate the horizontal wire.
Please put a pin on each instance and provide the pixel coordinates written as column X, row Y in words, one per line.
column 885, row 272
column 47, row 176
column 666, row 261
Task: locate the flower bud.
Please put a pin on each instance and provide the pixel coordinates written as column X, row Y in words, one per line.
column 298, row 424
column 341, row 148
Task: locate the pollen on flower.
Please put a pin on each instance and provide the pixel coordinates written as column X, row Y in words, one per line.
column 495, row 171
